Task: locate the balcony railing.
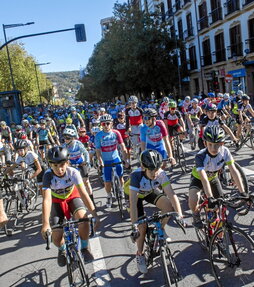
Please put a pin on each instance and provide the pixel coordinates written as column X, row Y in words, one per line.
column 178, row 5
column 220, row 55
column 246, row 2
column 206, row 60
column 231, row 6
column 188, row 33
column 203, row 23
column 235, row 50
column 193, row 64
column 215, row 15
column 250, row 44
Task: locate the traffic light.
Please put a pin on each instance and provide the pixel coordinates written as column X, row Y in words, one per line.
column 80, row 32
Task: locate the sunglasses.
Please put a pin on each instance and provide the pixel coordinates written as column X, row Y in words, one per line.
column 172, row 109
column 83, row 132
column 146, row 118
column 105, row 124
column 67, row 138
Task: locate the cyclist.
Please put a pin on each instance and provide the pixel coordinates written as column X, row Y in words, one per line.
column 79, row 157
column 204, row 175
column 53, row 130
column 27, row 128
column 106, row 143
column 3, row 216
column 83, row 137
column 76, row 118
column 5, row 134
column 164, row 107
column 64, row 194
column 95, row 120
column 154, row 135
column 151, row 184
column 70, row 125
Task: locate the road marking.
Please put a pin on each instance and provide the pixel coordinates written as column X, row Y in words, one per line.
column 99, row 265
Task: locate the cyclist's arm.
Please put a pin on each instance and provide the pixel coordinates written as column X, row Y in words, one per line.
column 251, row 111
column 38, row 169
column 236, row 177
column 10, row 168
column 205, row 182
column 168, row 146
column 98, row 153
column 133, row 205
column 173, row 198
column 50, row 137
column 182, row 123
column 46, row 209
column 188, row 118
column 142, row 145
column 124, row 150
column 229, row 132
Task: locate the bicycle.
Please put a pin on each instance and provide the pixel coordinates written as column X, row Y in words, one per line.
column 76, row 270
column 135, row 145
column 194, row 135
column 117, row 189
column 247, row 136
column 178, row 151
column 230, row 263
column 156, row 245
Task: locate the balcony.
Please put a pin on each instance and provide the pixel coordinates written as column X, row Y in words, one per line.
column 250, row 45
column 220, row 55
column 188, row 33
column 206, row 60
column 231, row 6
column 246, row 2
column 186, row 3
column 235, row 50
column 203, row 23
column 215, row 15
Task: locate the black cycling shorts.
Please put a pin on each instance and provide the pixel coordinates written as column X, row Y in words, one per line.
column 57, row 214
column 172, row 129
column 152, row 198
column 215, row 186
column 83, row 170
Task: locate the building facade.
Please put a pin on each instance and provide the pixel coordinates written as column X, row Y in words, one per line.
column 219, row 42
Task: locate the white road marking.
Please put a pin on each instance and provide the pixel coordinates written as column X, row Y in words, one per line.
column 99, row 265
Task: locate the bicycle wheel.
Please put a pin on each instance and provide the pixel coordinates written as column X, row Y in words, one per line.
column 148, row 251
column 231, row 256
column 171, row 274
column 250, row 143
column 76, row 270
column 202, row 233
column 32, row 196
column 11, row 210
column 118, row 195
column 181, row 157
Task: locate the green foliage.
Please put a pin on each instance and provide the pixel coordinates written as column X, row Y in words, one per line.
column 135, row 56
column 23, row 66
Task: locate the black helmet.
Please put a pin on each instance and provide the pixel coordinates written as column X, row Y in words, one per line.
column 214, row 134
column 150, row 112
column 211, row 107
column 19, row 144
column 245, row 97
column 58, row 154
column 151, row 159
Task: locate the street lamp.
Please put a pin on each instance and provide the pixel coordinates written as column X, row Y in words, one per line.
column 38, row 84
column 7, row 49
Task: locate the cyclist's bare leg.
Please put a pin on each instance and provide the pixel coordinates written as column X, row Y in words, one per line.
column 141, row 239
column 108, row 186
column 164, row 204
column 57, row 237
column 83, row 228
column 87, row 185
column 194, row 196
column 3, row 216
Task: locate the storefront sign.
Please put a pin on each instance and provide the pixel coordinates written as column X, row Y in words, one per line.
column 238, row 73
column 228, row 78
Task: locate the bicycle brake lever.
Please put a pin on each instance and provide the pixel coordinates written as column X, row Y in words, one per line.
column 181, row 224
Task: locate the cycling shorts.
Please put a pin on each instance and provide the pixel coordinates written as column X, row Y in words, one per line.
column 152, row 198
column 171, row 129
column 107, row 170
column 127, row 143
column 214, row 183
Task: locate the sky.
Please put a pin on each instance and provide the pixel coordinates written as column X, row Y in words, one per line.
column 60, row 49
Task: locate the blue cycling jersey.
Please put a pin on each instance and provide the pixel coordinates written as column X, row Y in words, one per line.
column 77, row 152
column 43, row 134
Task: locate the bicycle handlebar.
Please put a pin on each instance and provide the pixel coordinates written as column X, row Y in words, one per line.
column 48, row 239
column 113, row 164
column 69, row 222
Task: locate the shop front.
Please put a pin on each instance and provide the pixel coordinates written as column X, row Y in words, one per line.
column 239, row 79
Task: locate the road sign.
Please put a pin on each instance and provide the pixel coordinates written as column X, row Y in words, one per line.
column 228, row 78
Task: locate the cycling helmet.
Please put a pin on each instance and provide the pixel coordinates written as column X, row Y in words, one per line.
column 166, row 100
column 3, row 123
column 232, row 92
column 102, row 110
column 133, row 99
column 22, row 136
column 187, row 98
column 214, row 134
column 211, row 95
column 151, row 159
column 25, row 122
column 150, row 112
column 106, row 118
column 72, row 109
column 226, row 96
column 95, row 130
column 43, row 122
column 48, row 119
column 68, row 121
column 211, row 107
column 240, row 93
column 25, row 116
column 18, row 128
column 20, row 144
column 220, row 95
column 245, row 97
column 194, row 101
column 69, row 133
column 172, row 104
column 57, row 154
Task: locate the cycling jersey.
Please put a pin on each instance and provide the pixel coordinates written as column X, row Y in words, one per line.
column 143, row 185
column 121, row 127
column 222, row 104
column 77, row 152
column 194, row 112
column 62, row 187
column 29, row 159
column 133, row 117
column 43, row 134
column 172, row 119
column 244, row 108
column 211, row 164
column 163, row 109
column 206, row 122
column 5, row 132
column 108, row 142
column 185, row 106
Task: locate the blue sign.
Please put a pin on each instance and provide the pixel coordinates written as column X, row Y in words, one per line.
column 238, row 73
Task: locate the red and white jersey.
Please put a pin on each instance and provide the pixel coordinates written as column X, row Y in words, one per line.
column 133, row 117
column 163, row 109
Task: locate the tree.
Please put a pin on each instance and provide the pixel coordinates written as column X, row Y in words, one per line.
column 135, row 56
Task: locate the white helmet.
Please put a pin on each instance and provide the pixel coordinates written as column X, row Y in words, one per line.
column 166, row 100
column 220, row 95
column 69, row 132
column 95, row 130
column 187, row 98
column 102, row 110
column 239, row 93
column 106, row 118
column 194, row 101
column 226, row 96
column 133, row 99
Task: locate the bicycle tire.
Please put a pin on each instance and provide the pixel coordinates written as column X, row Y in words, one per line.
column 76, row 269
column 181, row 157
column 11, row 210
column 251, row 140
column 117, row 191
column 148, row 251
column 202, row 233
column 231, row 255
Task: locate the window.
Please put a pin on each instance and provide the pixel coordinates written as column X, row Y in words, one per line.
column 216, row 9
column 250, row 41
column 172, row 32
column 203, row 18
column 196, row 84
column 180, row 29
column 189, row 25
column 193, row 58
column 235, row 47
column 169, row 2
column 231, row 6
column 220, row 51
column 207, row 57
column 162, row 11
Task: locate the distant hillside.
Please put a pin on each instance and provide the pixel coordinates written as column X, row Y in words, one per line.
column 67, row 83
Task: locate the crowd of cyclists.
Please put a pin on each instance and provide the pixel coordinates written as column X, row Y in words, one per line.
column 61, row 145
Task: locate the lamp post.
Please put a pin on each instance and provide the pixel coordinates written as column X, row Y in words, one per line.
column 7, row 49
column 38, row 84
